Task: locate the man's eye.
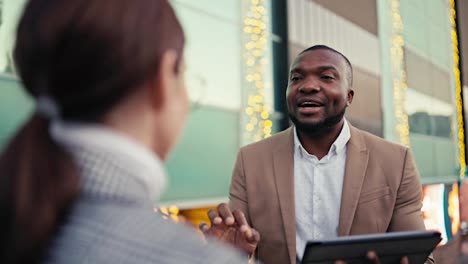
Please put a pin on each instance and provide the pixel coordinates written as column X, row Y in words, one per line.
column 295, row 78
column 327, row 77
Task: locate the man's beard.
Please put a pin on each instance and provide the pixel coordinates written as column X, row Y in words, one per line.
column 320, row 128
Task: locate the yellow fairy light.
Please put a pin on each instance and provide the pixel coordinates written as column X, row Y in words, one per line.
column 399, row 75
column 171, row 212
column 253, row 121
column 258, row 125
column 164, row 210
column 458, row 90
column 250, row 45
column 174, row 210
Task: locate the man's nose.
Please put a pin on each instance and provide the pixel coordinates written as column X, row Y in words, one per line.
column 310, row 86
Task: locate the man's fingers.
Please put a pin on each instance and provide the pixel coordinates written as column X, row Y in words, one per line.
column 372, row 257
column 214, row 217
column 404, row 260
column 204, row 227
column 240, row 218
column 246, row 231
column 255, row 236
column 226, row 214
column 250, row 234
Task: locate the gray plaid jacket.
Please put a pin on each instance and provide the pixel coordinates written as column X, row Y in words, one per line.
column 113, row 222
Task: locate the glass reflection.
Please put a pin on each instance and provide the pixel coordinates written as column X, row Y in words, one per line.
column 428, row 115
column 10, row 11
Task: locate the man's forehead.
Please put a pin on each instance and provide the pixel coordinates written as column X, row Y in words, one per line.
column 318, row 57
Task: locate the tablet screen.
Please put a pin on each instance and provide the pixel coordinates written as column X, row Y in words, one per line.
column 390, row 247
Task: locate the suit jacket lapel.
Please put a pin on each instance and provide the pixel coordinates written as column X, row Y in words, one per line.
column 283, row 162
column 357, row 157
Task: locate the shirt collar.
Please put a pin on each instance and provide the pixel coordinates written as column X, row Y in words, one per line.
column 338, row 145
column 150, row 168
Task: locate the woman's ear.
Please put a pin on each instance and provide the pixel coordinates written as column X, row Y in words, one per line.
column 166, row 79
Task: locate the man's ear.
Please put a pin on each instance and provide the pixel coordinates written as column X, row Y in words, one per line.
column 350, row 96
column 165, row 79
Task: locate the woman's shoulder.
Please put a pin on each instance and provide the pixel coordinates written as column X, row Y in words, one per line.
column 132, row 235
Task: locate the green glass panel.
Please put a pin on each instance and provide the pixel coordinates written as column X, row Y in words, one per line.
column 15, row 108
column 202, row 163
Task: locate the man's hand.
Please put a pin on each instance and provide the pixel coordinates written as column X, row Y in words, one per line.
column 373, row 258
column 231, row 227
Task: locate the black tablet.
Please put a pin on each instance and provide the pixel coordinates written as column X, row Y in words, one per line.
column 390, row 247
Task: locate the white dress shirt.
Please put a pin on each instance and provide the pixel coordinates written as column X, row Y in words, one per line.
column 317, row 190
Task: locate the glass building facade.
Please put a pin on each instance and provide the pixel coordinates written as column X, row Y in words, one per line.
column 404, row 67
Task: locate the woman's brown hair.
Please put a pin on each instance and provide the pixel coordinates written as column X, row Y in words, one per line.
column 86, row 55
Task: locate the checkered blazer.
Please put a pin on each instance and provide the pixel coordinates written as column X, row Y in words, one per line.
column 113, row 222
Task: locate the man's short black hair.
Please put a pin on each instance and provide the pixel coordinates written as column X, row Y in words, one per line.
column 348, row 63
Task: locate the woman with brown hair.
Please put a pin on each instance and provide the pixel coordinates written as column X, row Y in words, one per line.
column 79, row 179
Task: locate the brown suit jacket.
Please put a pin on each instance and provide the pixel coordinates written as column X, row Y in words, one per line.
column 381, row 191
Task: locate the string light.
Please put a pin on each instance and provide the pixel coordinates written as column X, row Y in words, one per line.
column 171, row 212
column 453, row 208
column 257, row 122
column 458, row 89
column 399, row 75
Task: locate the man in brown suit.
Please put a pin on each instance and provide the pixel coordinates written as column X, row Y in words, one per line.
column 352, row 181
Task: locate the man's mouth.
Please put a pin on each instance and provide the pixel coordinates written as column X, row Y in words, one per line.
column 306, row 103
column 309, row 107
